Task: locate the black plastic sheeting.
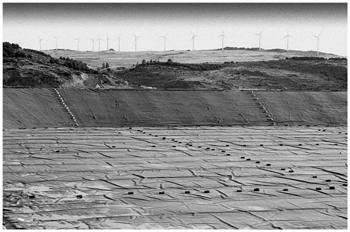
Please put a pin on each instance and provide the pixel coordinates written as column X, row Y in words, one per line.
column 175, row 178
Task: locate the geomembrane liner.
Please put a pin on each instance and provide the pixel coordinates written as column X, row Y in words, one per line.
column 132, row 178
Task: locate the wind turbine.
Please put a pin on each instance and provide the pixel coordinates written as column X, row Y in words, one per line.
column 223, row 35
column 287, row 36
column 259, row 40
column 119, row 42
column 318, row 40
column 99, row 39
column 136, row 42
column 193, row 36
column 40, row 42
column 107, row 42
column 78, row 42
column 165, row 39
column 56, row 41
column 93, row 44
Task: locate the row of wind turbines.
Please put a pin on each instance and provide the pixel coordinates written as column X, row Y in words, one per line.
column 287, row 36
column 223, row 36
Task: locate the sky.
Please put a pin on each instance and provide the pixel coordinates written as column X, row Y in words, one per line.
column 24, row 23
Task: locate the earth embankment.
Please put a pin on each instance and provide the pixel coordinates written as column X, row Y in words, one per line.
column 160, row 108
column 27, row 108
column 114, row 108
column 326, row 108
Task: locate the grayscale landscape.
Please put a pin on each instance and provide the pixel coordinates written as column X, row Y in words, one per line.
column 128, row 129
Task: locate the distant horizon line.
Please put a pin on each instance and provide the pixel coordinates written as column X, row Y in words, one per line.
column 214, row 49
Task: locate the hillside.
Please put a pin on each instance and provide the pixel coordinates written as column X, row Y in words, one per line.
column 229, row 69
column 128, row 59
column 185, row 70
column 31, row 68
column 296, row 75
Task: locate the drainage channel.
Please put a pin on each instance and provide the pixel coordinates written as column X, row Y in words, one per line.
column 269, row 115
column 60, row 99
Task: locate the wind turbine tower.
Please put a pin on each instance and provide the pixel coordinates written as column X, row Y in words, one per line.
column 119, row 42
column 99, row 39
column 56, row 38
column 193, row 36
column 107, row 42
column 222, row 42
column 40, row 42
column 136, row 42
column 165, row 39
column 78, row 41
column 318, row 40
column 259, row 40
column 287, row 36
column 93, row 44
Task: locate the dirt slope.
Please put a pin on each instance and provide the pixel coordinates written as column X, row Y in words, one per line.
column 108, row 108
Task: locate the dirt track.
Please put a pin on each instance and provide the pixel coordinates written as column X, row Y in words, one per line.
column 183, row 178
column 42, row 108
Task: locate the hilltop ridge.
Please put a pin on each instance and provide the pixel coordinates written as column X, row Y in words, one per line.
column 181, row 70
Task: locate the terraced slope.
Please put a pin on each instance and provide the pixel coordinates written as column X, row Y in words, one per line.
column 109, row 108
